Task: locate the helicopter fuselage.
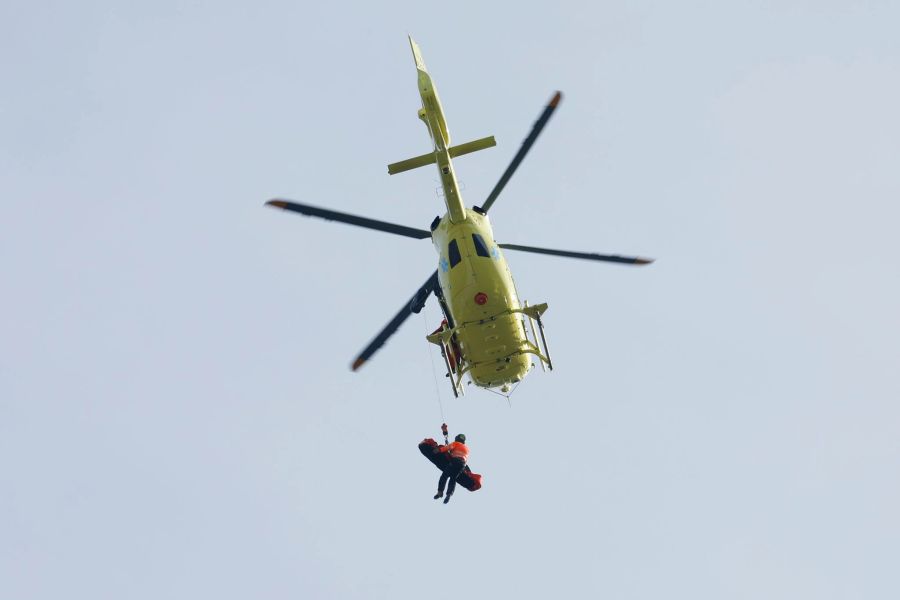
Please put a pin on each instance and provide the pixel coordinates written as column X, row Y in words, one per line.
column 479, row 294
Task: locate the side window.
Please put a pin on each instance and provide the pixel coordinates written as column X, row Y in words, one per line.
column 480, row 246
column 453, row 251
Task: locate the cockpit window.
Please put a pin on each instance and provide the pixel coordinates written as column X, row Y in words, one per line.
column 453, row 251
column 480, row 246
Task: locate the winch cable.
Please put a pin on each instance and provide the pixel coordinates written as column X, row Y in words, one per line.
column 437, row 388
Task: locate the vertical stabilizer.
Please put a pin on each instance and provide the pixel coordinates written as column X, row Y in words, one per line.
column 431, row 104
column 417, row 55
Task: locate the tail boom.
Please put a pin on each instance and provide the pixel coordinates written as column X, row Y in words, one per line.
column 432, row 113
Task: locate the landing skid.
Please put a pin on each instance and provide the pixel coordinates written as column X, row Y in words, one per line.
column 533, row 314
column 457, row 367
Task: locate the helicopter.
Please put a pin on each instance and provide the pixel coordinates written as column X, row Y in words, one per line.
column 487, row 334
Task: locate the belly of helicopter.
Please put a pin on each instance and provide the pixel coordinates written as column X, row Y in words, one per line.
column 491, row 337
column 493, row 349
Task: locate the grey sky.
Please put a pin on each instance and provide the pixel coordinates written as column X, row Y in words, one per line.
column 177, row 415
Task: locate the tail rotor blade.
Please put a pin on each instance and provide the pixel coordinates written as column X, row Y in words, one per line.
column 333, row 215
column 413, row 305
column 616, row 258
column 526, row 146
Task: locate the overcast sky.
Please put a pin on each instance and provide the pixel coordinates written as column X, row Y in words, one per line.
column 177, row 414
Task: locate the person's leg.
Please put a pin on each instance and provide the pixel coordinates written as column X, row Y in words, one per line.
column 441, row 483
column 453, row 471
column 450, row 489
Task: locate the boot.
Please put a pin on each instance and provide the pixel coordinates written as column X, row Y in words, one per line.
column 438, row 495
column 447, row 499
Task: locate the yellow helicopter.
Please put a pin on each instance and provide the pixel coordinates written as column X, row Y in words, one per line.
column 487, row 333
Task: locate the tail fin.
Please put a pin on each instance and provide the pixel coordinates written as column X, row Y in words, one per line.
column 432, row 112
column 417, row 55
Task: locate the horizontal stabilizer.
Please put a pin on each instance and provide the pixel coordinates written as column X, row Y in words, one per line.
column 482, row 144
column 430, row 158
column 411, row 163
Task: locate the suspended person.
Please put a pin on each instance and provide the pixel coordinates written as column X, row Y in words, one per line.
column 452, row 350
column 459, row 455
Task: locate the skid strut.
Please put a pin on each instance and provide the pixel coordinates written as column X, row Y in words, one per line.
column 533, row 314
column 443, row 339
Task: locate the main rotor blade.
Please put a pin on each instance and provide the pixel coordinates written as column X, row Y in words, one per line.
column 631, row 260
column 333, row 215
column 414, row 305
column 526, row 146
